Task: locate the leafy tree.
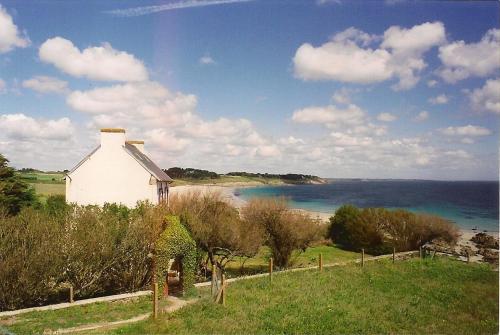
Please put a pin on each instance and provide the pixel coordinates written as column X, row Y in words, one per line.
column 14, row 193
column 285, row 230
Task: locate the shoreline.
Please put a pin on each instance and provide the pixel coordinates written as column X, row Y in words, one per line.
column 227, row 190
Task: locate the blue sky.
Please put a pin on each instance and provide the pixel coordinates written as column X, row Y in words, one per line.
column 373, row 89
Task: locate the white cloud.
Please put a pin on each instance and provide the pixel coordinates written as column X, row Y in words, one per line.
column 206, row 60
column 326, row 2
column 432, row 83
column 338, row 117
column 45, row 84
column 439, row 100
column 10, row 37
column 138, row 11
column 20, row 126
column 96, row 63
column 343, row 95
column 461, row 60
column 347, row 58
column 486, row 98
column 469, row 130
column 386, row 117
column 422, row 116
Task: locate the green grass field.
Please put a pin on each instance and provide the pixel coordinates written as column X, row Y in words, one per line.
column 410, row 297
column 260, row 263
column 439, row 296
column 228, row 179
column 40, row 322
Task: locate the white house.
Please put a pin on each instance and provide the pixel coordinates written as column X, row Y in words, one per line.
column 117, row 171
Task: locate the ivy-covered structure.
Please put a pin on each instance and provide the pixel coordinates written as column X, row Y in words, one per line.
column 175, row 242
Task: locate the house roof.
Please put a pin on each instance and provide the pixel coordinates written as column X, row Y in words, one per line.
column 147, row 163
column 140, row 157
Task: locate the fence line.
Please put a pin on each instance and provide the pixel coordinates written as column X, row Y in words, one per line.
column 203, row 284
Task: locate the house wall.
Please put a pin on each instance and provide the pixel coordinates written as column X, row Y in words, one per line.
column 110, row 175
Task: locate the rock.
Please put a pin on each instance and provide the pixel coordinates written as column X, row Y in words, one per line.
column 485, row 241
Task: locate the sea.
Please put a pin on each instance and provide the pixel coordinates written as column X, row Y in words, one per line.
column 470, row 204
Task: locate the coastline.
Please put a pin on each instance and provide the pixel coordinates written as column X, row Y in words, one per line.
column 227, row 190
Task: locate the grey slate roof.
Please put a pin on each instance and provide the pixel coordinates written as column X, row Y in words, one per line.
column 141, row 158
column 147, row 163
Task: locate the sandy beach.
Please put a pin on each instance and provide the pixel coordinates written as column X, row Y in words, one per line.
column 228, row 192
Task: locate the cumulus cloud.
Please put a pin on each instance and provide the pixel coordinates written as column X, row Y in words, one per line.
column 422, row 116
column 468, row 130
column 20, row 126
column 386, row 117
column 431, row 83
column 10, row 37
column 45, row 84
column 461, row 60
column 347, row 57
column 96, row 63
column 439, row 100
column 486, row 98
column 350, row 116
column 206, row 60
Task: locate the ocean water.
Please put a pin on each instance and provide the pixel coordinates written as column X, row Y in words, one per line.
column 467, row 203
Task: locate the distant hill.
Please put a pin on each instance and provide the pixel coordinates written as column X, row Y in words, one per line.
column 191, row 174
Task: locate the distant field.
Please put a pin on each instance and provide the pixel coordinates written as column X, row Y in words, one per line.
column 228, row 179
column 49, row 189
column 43, row 178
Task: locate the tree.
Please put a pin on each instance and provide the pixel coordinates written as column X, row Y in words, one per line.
column 285, row 230
column 217, row 228
column 14, row 193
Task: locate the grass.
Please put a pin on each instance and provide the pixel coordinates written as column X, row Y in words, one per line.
column 43, row 178
column 310, row 257
column 228, row 179
column 437, row 296
column 42, row 321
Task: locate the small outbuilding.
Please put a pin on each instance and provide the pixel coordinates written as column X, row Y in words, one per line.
column 117, row 171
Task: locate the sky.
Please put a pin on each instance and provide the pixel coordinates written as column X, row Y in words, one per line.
column 335, row 88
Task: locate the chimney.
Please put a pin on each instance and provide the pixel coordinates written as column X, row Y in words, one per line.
column 112, row 138
column 138, row 144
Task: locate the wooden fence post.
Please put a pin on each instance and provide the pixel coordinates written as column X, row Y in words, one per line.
column 362, row 257
column 214, row 279
column 155, row 300
column 271, row 269
column 420, row 252
column 320, row 265
column 71, row 295
column 468, row 256
column 223, row 288
column 393, row 255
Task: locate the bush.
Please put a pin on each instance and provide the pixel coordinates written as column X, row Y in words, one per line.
column 98, row 251
column 285, row 230
column 378, row 230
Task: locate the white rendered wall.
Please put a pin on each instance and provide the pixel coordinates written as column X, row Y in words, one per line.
column 110, row 175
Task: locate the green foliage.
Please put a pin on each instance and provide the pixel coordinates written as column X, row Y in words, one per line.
column 14, row 193
column 176, row 242
column 190, row 173
column 378, row 230
column 284, row 230
column 97, row 250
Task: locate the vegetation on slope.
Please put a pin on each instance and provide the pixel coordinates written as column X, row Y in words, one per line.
column 197, row 176
column 437, row 296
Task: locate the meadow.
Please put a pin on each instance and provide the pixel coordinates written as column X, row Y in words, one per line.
column 419, row 297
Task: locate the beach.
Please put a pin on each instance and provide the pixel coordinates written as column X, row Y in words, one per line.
column 227, row 190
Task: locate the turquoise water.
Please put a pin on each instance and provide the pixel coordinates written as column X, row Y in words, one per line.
column 469, row 204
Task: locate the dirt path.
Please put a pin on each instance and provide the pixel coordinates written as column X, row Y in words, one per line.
column 174, row 305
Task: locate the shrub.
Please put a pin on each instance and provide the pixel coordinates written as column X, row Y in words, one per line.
column 285, row 230
column 378, row 230
column 97, row 250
